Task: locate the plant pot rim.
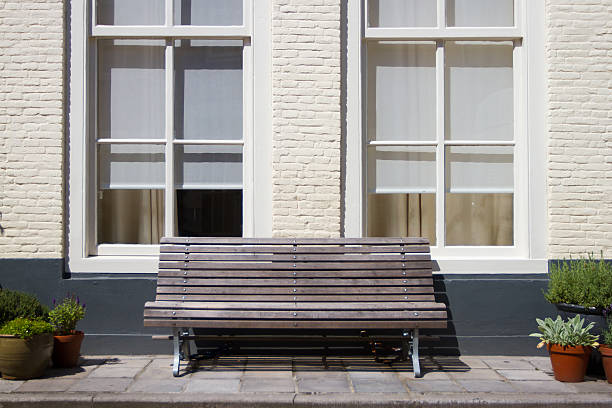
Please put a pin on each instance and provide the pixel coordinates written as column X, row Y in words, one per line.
column 568, row 307
column 75, row 333
column 12, row 336
column 560, row 347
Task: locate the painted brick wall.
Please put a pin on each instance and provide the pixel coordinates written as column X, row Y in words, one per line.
column 306, row 118
column 31, row 128
column 579, row 53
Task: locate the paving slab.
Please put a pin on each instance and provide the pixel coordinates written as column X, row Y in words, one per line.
column 217, row 374
column 525, row 375
column 9, row 385
column 476, row 374
column 376, row 381
column 110, row 371
column 211, row 386
column 593, row 386
column 486, row 386
column 433, row 386
column 268, row 385
column 538, row 387
column 323, row 385
column 157, row 386
column 508, row 364
column 101, row 384
column 46, row 385
column 541, row 363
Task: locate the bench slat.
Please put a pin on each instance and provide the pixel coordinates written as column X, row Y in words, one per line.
column 424, row 263
column 385, row 273
column 287, row 258
column 294, row 241
column 296, row 305
column 302, row 314
column 298, row 282
column 289, row 249
column 380, row 298
column 297, row 324
column 292, row 290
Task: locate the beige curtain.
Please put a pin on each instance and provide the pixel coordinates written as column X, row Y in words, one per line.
column 130, row 216
column 471, row 219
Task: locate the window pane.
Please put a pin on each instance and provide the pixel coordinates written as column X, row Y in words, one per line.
column 130, row 12
column 479, row 219
column 479, row 169
column 130, row 216
column 131, row 166
column 401, row 170
column 480, row 13
column 402, row 13
column 208, row 90
column 208, row 167
column 402, row 215
column 208, row 12
column 131, row 89
column 401, row 94
column 479, row 95
column 209, row 213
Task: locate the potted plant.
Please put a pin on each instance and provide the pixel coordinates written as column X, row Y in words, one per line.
column 606, row 348
column 569, row 345
column 25, row 348
column 67, row 340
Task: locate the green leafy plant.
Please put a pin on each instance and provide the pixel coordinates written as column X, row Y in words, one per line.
column 570, row 333
column 15, row 304
column 26, row 328
column 607, row 333
column 586, row 282
column 66, row 314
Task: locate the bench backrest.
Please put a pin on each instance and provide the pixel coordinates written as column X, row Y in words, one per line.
column 295, row 270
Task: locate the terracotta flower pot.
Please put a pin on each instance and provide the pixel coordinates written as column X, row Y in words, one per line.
column 67, row 349
column 23, row 359
column 606, row 357
column 569, row 363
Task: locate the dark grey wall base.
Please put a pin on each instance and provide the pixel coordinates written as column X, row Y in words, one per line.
column 488, row 314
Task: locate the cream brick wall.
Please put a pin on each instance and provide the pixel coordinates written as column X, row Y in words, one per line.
column 306, row 118
column 579, row 54
column 31, row 128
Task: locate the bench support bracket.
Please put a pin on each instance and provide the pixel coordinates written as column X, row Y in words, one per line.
column 182, row 349
column 410, row 346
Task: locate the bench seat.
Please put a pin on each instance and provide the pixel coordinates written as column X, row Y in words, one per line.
column 327, row 284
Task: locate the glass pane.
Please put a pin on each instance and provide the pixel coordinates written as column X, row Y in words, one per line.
column 402, row 215
column 480, row 169
column 401, row 169
column 130, row 12
column 480, row 13
column 209, row 213
column 479, row 95
column 479, row 219
column 208, row 12
column 208, row 90
column 208, row 167
column 131, row 166
column 401, row 93
column 130, row 216
column 402, row 13
column 131, row 89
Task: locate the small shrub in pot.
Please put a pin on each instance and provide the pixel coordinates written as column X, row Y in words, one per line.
column 64, row 317
column 25, row 348
column 569, row 344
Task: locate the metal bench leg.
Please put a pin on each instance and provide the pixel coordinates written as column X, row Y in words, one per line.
column 176, row 341
column 414, row 351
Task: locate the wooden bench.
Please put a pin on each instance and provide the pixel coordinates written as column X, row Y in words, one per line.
column 321, row 284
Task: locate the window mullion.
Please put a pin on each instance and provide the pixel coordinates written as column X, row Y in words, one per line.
column 169, row 132
column 169, row 14
column 441, row 13
column 440, row 153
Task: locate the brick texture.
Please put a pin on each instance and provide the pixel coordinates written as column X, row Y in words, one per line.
column 579, row 54
column 306, row 118
column 31, row 128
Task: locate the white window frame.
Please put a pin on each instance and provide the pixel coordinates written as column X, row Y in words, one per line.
column 528, row 253
column 83, row 253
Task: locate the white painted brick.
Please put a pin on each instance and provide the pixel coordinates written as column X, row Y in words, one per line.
column 31, row 125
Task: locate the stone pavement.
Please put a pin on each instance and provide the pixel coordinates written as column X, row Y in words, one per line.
column 303, row 381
